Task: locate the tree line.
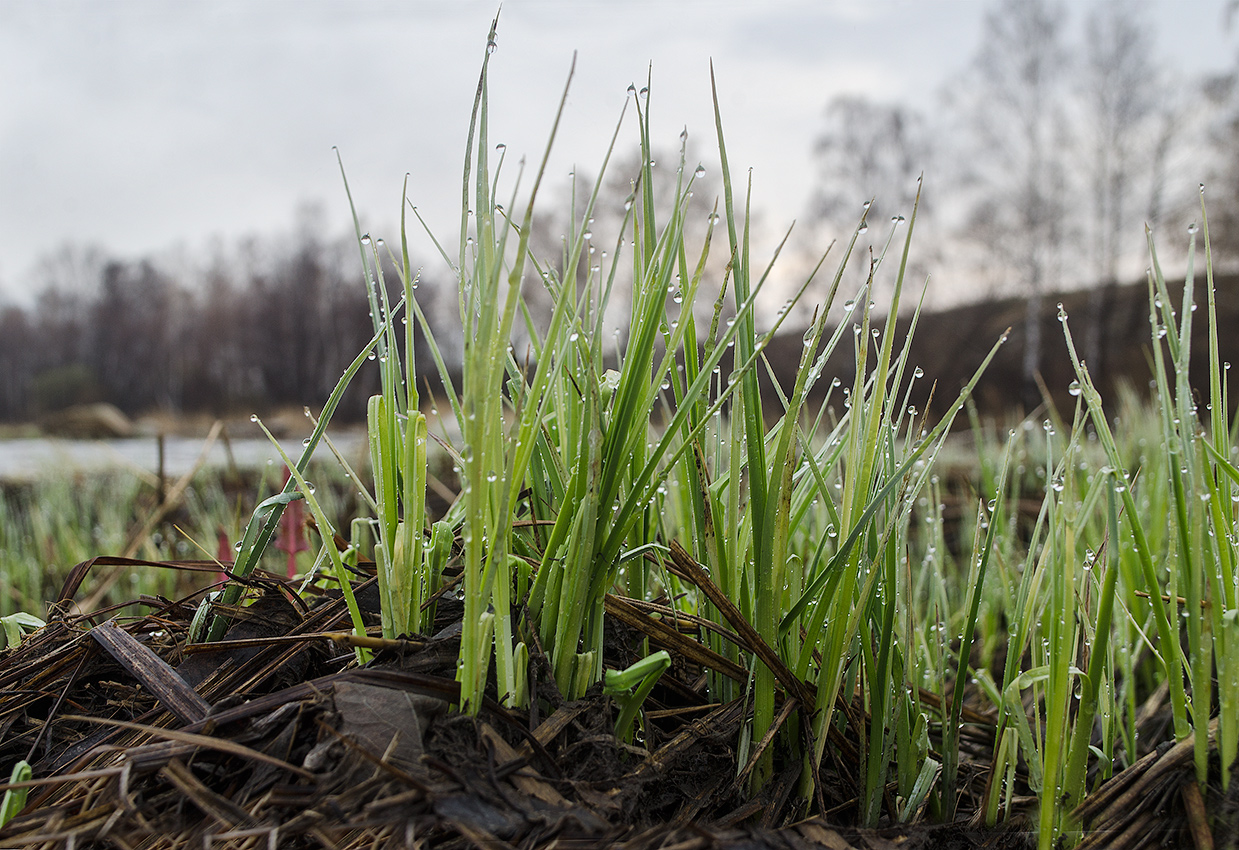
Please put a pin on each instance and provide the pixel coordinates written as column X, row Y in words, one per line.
column 266, row 327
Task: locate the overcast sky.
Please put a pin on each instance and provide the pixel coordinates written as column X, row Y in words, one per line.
column 139, row 126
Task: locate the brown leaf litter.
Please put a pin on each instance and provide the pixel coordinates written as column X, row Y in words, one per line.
column 275, row 738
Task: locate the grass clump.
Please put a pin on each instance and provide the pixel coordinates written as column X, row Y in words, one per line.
column 813, row 530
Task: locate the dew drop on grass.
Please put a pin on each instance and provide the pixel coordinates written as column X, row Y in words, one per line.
column 700, row 172
column 305, row 442
column 864, row 228
column 918, row 372
column 365, row 239
column 632, row 89
column 574, row 336
column 238, row 546
column 1074, row 388
column 253, row 417
column 501, row 147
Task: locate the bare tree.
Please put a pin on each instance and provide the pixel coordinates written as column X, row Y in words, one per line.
column 1013, row 100
column 1121, row 93
column 868, row 151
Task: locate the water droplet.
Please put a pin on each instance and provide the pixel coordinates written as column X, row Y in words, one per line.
column 574, row 336
column 238, row 546
column 864, row 228
column 253, row 417
column 632, row 89
column 1074, row 388
column 918, row 372
column 305, row 442
column 700, row 172
column 490, row 47
column 501, row 147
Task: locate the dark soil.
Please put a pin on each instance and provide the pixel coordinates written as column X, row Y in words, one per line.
column 277, row 739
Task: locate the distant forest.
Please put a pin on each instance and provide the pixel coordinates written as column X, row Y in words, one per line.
column 226, row 339
column 1043, row 161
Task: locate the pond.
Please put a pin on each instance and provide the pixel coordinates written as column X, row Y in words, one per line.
column 26, row 458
